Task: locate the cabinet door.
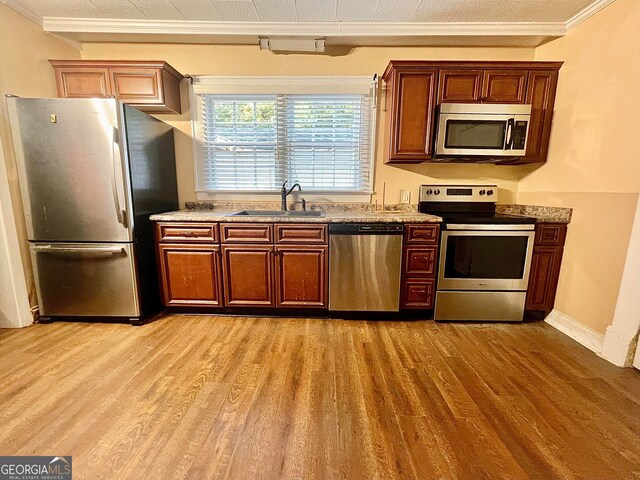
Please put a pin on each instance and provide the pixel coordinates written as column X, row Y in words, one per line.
column 504, row 86
column 301, row 276
column 541, row 94
column 190, row 275
column 87, row 82
column 411, row 115
column 543, row 281
column 460, row 86
column 248, row 275
column 137, row 86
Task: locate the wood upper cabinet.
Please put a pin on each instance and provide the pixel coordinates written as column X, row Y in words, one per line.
column 83, row 82
column 151, row 86
column 482, row 86
column 301, row 276
column 248, row 275
column 504, row 86
column 541, row 95
column 410, row 103
column 414, row 89
column 460, row 86
column 548, row 249
column 190, row 275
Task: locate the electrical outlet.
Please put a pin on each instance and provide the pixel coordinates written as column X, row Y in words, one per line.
column 405, row 196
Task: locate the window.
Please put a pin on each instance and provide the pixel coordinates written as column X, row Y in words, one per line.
column 299, row 131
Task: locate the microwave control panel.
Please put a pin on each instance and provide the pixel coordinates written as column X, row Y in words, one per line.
column 519, row 135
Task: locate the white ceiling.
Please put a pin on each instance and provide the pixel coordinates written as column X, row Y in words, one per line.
column 520, row 23
column 311, row 10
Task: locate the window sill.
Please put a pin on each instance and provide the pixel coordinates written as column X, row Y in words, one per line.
column 354, row 197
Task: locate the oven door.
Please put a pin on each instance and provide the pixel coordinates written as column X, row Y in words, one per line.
column 486, row 259
column 481, row 135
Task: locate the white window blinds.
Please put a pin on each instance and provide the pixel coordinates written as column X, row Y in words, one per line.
column 252, row 142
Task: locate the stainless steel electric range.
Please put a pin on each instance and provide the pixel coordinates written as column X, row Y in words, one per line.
column 485, row 257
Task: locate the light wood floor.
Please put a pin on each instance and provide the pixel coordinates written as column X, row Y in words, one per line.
column 196, row 397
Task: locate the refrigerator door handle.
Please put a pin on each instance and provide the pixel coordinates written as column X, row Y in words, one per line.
column 115, row 161
column 52, row 249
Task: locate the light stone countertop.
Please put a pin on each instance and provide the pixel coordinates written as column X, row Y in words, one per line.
column 541, row 214
column 331, row 217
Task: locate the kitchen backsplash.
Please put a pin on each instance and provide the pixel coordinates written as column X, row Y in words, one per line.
column 327, row 207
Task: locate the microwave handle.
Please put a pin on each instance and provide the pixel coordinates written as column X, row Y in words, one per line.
column 509, row 141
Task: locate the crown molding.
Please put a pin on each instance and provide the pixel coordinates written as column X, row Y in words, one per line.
column 334, row 29
column 586, row 13
column 67, row 25
column 12, row 4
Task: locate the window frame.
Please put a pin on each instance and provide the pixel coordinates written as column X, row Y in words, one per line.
column 260, row 85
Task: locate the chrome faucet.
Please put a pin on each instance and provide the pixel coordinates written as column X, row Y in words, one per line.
column 284, row 193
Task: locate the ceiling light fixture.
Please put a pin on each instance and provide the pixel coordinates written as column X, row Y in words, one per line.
column 292, row 44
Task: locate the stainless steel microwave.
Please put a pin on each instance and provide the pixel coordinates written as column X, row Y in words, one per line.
column 483, row 129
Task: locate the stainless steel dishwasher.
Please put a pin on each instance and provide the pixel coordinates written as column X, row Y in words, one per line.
column 364, row 267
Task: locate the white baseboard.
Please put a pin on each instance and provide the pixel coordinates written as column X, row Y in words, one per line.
column 619, row 347
column 579, row 332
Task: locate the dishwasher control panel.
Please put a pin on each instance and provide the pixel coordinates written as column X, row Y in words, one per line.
column 366, row 228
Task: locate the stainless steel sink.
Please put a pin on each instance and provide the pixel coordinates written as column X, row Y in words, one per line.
column 278, row 213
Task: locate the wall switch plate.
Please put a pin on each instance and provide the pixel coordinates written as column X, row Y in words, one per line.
column 405, row 196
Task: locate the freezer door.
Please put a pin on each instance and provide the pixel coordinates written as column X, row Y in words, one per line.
column 85, row 279
column 72, row 174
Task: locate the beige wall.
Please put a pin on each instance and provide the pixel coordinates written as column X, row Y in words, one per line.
column 592, row 166
column 249, row 60
column 24, row 71
column 594, row 163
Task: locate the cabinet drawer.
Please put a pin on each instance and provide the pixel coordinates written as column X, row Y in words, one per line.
column 301, row 233
column 418, row 293
column 187, row 232
column 422, row 233
column 552, row 234
column 420, row 261
column 246, row 232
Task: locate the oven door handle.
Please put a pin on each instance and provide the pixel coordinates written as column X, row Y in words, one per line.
column 509, row 136
column 486, row 227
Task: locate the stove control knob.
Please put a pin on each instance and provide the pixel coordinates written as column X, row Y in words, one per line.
column 489, row 192
column 437, row 192
column 481, row 192
column 429, row 192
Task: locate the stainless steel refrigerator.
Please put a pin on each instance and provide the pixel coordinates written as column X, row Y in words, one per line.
column 91, row 172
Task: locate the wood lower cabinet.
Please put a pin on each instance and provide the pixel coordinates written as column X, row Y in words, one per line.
column 419, row 266
column 190, row 275
column 548, row 249
column 418, row 293
column 151, row 86
column 410, row 108
column 301, row 276
column 420, row 260
column 248, row 273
